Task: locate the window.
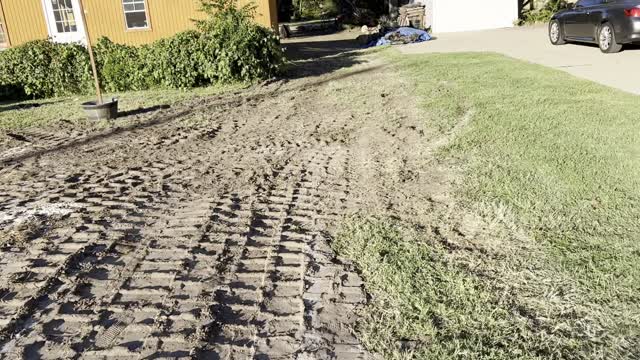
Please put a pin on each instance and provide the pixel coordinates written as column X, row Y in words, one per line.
column 585, row 3
column 135, row 14
column 64, row 17
column 4, row 39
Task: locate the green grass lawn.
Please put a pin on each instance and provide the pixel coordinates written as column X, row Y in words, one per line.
column 548, row 156
column 16, row 115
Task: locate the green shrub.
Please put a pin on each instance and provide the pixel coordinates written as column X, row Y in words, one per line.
column 236, row 48
column 121, row 67
column 44, row 69
column 176, row 62
column 229, row 46
column 315, row 9
column 543, row 14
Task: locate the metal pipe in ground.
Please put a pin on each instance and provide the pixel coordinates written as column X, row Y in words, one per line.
column 90, row 48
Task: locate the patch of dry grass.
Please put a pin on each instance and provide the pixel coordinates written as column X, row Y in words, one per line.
column 551, row 169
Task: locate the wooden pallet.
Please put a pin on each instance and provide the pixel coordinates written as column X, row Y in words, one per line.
column 311, row 27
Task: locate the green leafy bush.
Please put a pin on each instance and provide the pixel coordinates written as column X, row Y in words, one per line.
column 120, row 67
column 237, row 48
column 228, row 46
column 315, row 9
column 544, row 13
column 176, row 62
column 44, row 69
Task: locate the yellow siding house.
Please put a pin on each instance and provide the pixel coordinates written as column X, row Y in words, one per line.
column 131, row 22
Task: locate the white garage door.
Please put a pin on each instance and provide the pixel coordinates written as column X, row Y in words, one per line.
column 466, row 15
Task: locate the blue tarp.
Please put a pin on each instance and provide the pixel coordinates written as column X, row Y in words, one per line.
column 403, row 35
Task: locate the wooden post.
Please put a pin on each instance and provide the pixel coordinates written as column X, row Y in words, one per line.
column 91, row 58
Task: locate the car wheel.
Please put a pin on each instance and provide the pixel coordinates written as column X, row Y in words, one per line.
column 555, row 33
column 607, row 39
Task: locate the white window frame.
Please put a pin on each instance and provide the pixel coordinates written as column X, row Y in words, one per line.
column 63, row 13
column 146, row 15
column 3, row 27
column 79, row 36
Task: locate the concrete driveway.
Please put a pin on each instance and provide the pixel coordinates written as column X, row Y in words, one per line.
column 531, row 44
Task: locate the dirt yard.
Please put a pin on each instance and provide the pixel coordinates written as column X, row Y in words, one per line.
column 203, row 230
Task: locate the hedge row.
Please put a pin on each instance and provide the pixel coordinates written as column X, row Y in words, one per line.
column 227, row 47
column 43, row 69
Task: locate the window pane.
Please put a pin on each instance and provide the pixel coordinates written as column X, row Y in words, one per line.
column 133, row 5
column 69, row 16
column 64, row 17
column 3, row 34
column 136, row 19
column 135, row 14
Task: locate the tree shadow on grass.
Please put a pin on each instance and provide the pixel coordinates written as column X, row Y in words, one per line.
column 19, row 105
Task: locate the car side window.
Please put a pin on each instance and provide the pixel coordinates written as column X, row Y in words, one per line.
column 585, row 3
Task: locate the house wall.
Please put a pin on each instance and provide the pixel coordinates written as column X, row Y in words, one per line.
column 467, row 15
column 25, row 19
column 166, row 17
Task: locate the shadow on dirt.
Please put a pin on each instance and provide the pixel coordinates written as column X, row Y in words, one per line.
column 11, row 105
column 141, row 111
column 321, row 66
column 98, row 137
column 315, row 58
column 312, row 68
column 315, row 49
column 320, row 55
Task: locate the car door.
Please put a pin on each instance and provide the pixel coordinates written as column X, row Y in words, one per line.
column 570, row 19
column 588, row 19
column 575, row 20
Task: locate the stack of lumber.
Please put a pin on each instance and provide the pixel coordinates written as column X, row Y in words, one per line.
column 412, row 16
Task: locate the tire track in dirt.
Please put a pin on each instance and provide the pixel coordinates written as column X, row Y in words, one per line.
column 242, row 302
column 332, row 290
column 212, row 237
column 112, row 251
column 29, row 308
column 264, row 309
column 92, row 195
column 144, row 304
column 91, row 244
column 184, row 316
